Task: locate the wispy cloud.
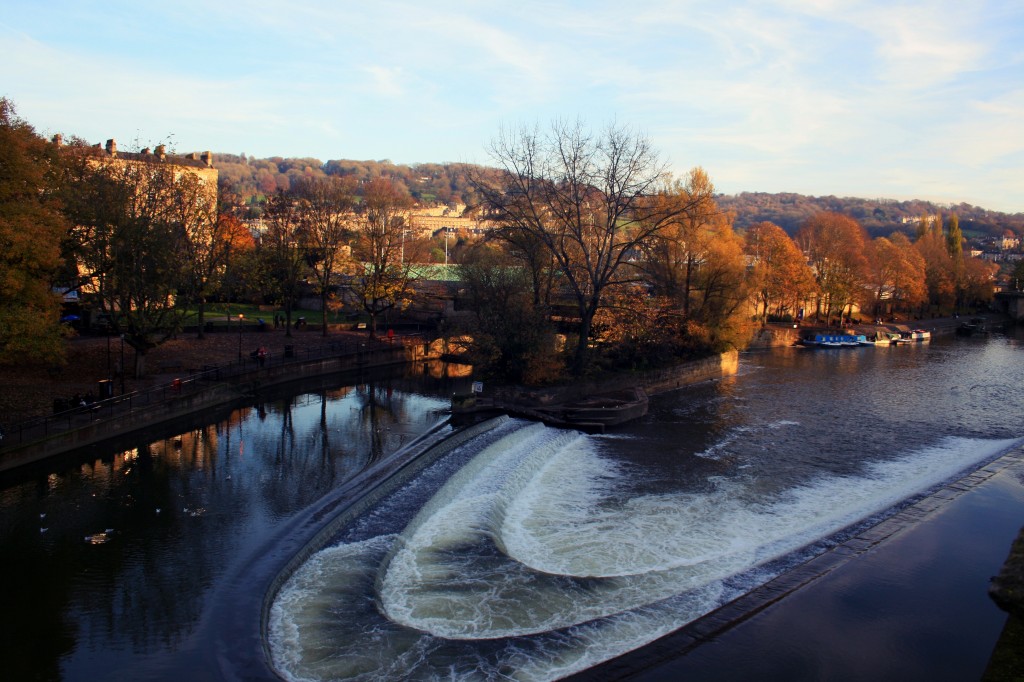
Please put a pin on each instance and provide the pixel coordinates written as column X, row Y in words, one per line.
column 821, row 96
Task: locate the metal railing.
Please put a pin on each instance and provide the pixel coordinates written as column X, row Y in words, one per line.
column 192, row 381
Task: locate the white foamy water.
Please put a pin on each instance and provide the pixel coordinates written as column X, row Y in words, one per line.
column 538, row 559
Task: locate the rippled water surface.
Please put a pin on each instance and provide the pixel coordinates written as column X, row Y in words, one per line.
column 527, row 553
column 531, row 553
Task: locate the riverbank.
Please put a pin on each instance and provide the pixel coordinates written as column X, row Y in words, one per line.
column 778, row 335
column 29, row 390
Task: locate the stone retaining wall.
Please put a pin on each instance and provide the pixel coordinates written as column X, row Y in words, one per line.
column 237, row 391
column 652, row 381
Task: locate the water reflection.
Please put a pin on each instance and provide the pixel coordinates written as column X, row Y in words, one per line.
column 108, row 563
column 532, row 553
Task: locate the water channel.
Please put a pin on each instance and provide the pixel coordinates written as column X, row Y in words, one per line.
column 526, row 553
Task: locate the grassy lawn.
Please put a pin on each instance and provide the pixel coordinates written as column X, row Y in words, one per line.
column 220, row 315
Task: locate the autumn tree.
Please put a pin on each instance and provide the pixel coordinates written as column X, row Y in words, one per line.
column 590, row 199
column 326, row 206
column 31, row 229
column 781, row 278
column 720, row 290
column 244, row 274
column 383, row 278
column 940, row 273
column 834, row 244
column 674, row 254
column 979, row 279
column 896, row 273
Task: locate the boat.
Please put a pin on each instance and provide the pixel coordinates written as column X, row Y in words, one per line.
column 847, row 340
column 898, row 339
column 976, row 327
column 877, row 339
column 830, row 340
column 920, row 335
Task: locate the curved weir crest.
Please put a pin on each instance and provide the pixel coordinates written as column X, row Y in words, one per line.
column 537, row 558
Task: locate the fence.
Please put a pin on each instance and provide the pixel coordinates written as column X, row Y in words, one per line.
column 204, row 382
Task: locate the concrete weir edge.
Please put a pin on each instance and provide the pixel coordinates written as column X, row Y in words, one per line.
column 711, row 625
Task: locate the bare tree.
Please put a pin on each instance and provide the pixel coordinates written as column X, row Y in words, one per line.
column 588, row 198
column 384, row 276
column 326, row 206
column 131, row 248
column 204, row 242
column 282, row 252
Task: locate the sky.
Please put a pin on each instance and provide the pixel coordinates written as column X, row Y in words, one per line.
column 874, row 98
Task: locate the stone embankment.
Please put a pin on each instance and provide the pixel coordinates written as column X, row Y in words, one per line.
column 571, row 405
column 222, row 386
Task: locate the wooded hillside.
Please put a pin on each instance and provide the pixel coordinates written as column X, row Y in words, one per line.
column 250, row 180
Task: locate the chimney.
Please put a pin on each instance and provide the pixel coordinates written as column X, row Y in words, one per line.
column 58, row 140
column 160, row 151
column 193, row 156
column 112, row 147
column 207, row 158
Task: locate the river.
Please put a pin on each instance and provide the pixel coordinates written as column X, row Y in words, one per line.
column 526, row 553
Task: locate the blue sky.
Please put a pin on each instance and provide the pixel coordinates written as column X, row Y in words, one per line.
column 894, row 99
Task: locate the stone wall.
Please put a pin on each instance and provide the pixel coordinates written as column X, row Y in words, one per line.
column 652, row 381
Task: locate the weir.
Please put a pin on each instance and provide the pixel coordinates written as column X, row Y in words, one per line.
column 536, row 542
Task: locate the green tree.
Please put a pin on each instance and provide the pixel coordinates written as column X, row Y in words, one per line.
column 31, row 229
column 1018, row 276
column 955, row 239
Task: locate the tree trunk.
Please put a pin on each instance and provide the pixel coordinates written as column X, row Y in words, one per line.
column 579, row 360
column 201, row 318
column 140, row 362
column 323, row 310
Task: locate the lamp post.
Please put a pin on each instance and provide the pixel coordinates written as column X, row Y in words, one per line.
column 240, row 316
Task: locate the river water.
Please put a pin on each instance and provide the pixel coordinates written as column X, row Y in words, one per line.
column 527, row 553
